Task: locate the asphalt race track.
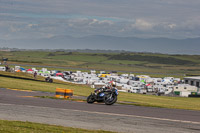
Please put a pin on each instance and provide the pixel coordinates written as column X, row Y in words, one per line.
column 20, row 105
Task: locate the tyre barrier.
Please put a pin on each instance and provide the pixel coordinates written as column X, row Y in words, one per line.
column 63, row 93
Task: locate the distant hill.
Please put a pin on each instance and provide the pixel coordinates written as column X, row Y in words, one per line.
column 101, row 42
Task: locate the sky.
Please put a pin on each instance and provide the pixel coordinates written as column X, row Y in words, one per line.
column 35, row 19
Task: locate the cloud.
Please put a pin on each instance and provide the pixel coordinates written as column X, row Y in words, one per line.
column 102, row 22
column 171, row 26
column 88, row 23
column 191, row 24
column 50, row 35
column 137, row 25
column 32, row 25
column 14, row 29
column 142, row 25
column 169, row 18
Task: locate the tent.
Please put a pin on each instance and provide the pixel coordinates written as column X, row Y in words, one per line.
column 47, row 72
column 22, row 69
column 148, row 84
column 18, row 71
column 143, row 81
column 59, row 74
column 30, row 70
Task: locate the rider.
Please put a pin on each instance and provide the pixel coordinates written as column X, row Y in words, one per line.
column 110, row 85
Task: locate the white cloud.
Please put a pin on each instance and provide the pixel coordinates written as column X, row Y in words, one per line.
column 95, row 21
column 142, row 25
column 106, row 22
column 32, row 25
column 14, row 29
column 50, row 35
column 76, row 23
column 171, row 26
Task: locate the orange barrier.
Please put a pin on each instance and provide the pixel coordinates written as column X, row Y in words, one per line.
column 68, row 93
column 60, row 93
column 63, row 93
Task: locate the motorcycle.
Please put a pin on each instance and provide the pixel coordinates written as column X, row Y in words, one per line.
column 48, row 79
column 108, row 96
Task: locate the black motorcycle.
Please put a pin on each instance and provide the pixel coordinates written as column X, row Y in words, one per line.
column 48, row 79
column 108, row 96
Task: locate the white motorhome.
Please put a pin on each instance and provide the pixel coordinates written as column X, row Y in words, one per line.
column 2, row 68
column 184, row 89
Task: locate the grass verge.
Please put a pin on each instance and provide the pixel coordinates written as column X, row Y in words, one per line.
column 29, row 127
column 26, row 82
column 83, row 90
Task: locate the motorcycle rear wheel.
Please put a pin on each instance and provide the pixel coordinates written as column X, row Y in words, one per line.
column 90, row 99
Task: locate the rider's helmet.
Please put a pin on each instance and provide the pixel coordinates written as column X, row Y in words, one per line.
column 112, row 83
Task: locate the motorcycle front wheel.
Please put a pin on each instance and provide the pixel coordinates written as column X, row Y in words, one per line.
column 90, row 99
column 110, row 99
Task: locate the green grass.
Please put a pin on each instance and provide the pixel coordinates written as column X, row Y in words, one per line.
column 134, row 62
column 20, row 81
column 161, row 101
column 29, row 127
